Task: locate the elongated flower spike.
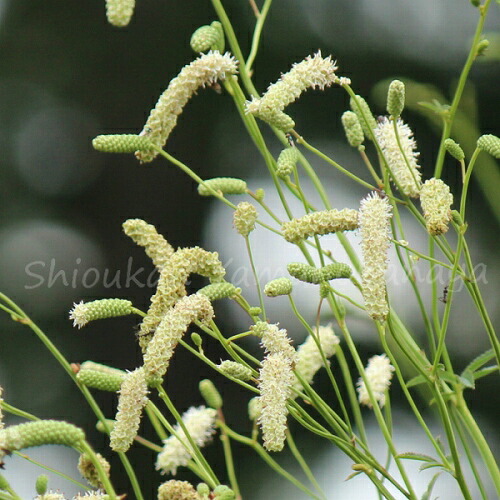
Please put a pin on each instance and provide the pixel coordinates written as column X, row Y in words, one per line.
column 200, row 424
column 120, row 143
column 352, row 129
column 309, row 274
column 100, row 377
column 205, row 70
column 364, row 114
column 210, row 394
column 133, row 398
column 319, row 223
column 89, row 472
column 244, row 218
column 436, row 200
column 172, row 327
column 274, row 340
column 314, row 71
column 217, row 291
column 236, row 370
column 454, row 149
column 119, row 12
column 279, row 286
column 374, row 216
column 286, row 162
column 145, row 235
column 309, row 359
column 208, row 38
column 404, row 167
column 41, row 432
column 491, row 144
column 226, row 185
column 378, row 373
column 84, row 312
column 396, row 98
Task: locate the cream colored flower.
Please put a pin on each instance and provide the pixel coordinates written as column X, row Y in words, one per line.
column 378, row 375
column 436, row 200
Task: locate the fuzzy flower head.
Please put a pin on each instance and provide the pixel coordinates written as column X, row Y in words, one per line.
column 84, row 312
column 89, row 472
column 402, row 162
column 274, row 340
column 309, row 359
column 276, row 378
column 200, row 424
column 244, row 218
column 374, row 216
column 378, row 375
column 170, row 330
column 119, row 12
column 133, row 398
column 436, row 200
column 203, row 71
column 177, row 490
column 313, row 72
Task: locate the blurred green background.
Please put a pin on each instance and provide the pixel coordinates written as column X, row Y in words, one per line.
column 67, row 76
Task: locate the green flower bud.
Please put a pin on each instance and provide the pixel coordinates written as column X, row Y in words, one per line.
column 236, row 370
column 254, row 408
column 482, row 47
column 244, row 218
column 454, row 149
column 259, row 194
column 226, row 185
column 309, row 274
column 100, row 377
column 82, row 313
column 279, row 286
column 210, row 394
column 352, row 129
column 30, row 434
column 203, row 490
column 365, row 116
column 121, row 143
column 396, row 98
column 216, row 291
column 204, row 38
column 457, row 218
column 286, row 162
column 491, row 144
column 100, row 426
column 255, row 311
column 335, row 271
column 196, row 339
column 223, row 492
column 324, row 289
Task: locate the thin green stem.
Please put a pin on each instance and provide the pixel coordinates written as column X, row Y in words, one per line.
column 261, row 19
column 228, row 455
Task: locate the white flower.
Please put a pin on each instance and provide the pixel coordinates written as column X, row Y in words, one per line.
column 200, row 423
column 407, row 175
column 378, row 375
column 436, row 200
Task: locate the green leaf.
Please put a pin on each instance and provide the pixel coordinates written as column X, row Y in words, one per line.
column 419, row 379
column 430, row 465
column 354, row 474
column 485, row 371
column 467, row 379
column 479, row 361
column 410, row 455
column 435, row 106
column 428, row 491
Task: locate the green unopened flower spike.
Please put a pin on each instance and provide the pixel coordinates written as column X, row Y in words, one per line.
column 314, row 71
column 200, row 424
column 396, row 98
column 100, row 377
column 226, row 185
column 223, row 492
column 254, row 408
column 217, row 291
column 177, row 490
column 365, row 116
column 208, row 38
column 319, row 223
column 210, row 394
column 352, row 128
column 84, row 312
column 203, row 490
column 287, row 160
column 145, row 235
column 100, row 426
column 279, row 286
column 41, row 432
column 436, row 200
column 378, row 374
column 491, row 144
column 310, row 274
column 120, row 143
column 41, row 484
column 244, row 218
column 89, row 472
column 482, row 47
column 374, row 218
column 205, row 70
column 404, row 167
column 236, row 370
column 119, row 12
column 133, row 398
column 454, row 149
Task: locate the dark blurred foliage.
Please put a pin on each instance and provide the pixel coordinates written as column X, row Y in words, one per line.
column 66, row 76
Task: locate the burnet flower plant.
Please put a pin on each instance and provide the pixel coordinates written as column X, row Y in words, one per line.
column 279, row 385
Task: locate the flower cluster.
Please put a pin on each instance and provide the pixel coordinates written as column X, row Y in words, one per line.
column 436, row 200
column 378, row 374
